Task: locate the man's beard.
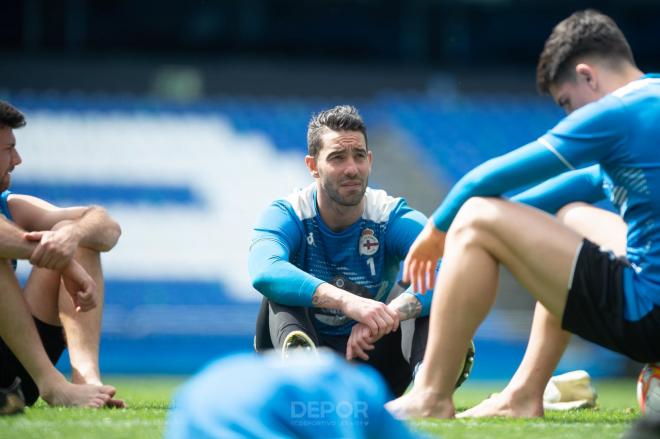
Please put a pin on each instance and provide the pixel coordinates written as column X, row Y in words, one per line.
column 350, row 200
column 5, row 182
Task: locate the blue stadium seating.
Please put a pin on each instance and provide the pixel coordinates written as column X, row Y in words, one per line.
column 177, row 323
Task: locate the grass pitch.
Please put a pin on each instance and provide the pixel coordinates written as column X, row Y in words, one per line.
column 617, row 408
column 148, row 398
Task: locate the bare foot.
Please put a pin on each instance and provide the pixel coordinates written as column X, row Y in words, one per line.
column 67, row 394
column 95, row 381
column 503, row 404
column 417, row 404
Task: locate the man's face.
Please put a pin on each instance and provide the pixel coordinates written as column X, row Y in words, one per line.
column 343, row 166
column 573, row 94
column 9, row 157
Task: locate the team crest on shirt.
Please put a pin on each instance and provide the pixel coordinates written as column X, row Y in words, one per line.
column 368, row 243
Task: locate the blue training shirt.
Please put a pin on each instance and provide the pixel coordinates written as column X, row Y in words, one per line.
column 4, row 210
column 619, row 134
column 4, row 207
column 293, row 251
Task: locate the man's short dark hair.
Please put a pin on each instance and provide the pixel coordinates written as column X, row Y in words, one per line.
column 584, row 33
column 10, row 116
column 339, row 118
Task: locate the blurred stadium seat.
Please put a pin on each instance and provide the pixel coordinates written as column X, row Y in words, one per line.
column 187, row 181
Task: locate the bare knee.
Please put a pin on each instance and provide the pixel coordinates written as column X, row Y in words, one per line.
column 88, row 257
column 476, row 218
column 571, row 214
column 598, row 225
column 91, row 261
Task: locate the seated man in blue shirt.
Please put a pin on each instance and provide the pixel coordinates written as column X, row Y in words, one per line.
column 593, row 273
column 326, row 258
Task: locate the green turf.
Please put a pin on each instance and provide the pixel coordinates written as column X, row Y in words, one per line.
column 149, row 398
column 617, row 408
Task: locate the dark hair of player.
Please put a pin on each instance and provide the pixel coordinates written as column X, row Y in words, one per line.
column 587, row 33
column 10, row 116
column 339, row 118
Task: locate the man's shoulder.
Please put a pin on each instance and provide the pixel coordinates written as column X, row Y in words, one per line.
column 649, row 85
column 301, row 201
column 379, row 205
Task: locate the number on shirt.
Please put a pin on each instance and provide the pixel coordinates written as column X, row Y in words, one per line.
column 372, row 266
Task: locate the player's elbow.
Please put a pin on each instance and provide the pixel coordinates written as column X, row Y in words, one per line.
column 114, row 233
column 478, row 185
column 261, row 281
column 111, row 230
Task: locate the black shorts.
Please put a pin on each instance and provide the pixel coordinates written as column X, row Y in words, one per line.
column 52, row 338
column 387, row 357
column 595, row 307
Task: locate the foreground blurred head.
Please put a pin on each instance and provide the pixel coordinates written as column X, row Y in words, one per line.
column 304, row 396
column 578, row 58
column 337, row 154
column 10, row 119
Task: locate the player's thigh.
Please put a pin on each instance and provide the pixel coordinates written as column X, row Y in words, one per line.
column 600, row 226
column 42, row 294
column 537, row 249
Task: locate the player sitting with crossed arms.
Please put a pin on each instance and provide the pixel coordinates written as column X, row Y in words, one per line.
column 326, row 258
column 62, row 296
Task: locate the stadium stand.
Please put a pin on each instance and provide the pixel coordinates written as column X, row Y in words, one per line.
column 190, row 180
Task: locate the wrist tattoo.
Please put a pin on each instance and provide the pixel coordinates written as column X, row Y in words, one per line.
column 317, row 300
column 409, row 308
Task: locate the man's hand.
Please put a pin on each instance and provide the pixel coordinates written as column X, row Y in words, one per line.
column 359, row 342
column 419, row 266
column 56, row 248
column 378, row 317
column 80, row 286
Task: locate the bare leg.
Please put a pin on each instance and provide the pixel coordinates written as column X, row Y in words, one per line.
column 83, row 329
column 18, row 331
column 539, row 252
column 523, row 396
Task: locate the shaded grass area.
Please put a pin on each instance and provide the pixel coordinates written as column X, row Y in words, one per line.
column 149, row 397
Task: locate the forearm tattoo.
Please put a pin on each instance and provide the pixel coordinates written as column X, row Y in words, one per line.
column 408, row 306
column 318, row 300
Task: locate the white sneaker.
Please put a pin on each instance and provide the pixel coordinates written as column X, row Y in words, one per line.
column 569, row 391
column 298, row 341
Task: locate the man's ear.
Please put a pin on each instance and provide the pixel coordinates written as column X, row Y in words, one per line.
column 310, row 161
column 588, row 74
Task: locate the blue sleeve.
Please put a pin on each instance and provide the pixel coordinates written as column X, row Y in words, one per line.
column 276, row 236
column 405, row 224
column 529, row 164
column 593, row 133
column 588, row 135
column 551, row 195
column 4, row 206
